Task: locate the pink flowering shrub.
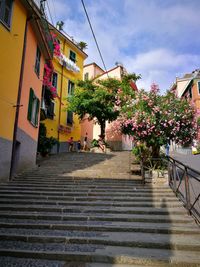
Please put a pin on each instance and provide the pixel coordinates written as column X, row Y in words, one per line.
column 56, row 45
column 49, row 69
column 154, row 119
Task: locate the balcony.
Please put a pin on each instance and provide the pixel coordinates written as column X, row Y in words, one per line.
column 68, row 64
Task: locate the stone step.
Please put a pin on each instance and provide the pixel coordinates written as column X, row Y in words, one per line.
column 87, row 193
column 109, row 217
column 142, row 227
column 60, row 215
column 79, row 180
column 95, row 210
column 55, row 184
column 95, row 253
column 84, row 188
column 118, row 199
column 112, row 203
column 124, row 239
column 27, row 262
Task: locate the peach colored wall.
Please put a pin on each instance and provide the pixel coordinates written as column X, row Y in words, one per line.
column 92, row 70
column 87, row 127
column 195, row 94
column 115, row 73
column 181, row 85
column 30, row 80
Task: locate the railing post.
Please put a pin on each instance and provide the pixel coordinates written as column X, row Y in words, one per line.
column 142, row 172
column 169, row 173
column 174, row 175
column 187, row 190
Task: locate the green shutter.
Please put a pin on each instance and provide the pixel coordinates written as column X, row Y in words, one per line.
column 31, row 95
column 72, row 56
column 37, row 112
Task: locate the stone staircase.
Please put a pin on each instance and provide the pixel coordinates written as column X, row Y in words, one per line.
column 88, row 210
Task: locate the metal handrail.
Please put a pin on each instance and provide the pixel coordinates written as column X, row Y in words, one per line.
column 186, row 194
column 182, row 180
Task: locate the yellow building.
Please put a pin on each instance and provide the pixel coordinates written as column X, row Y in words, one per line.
column 12, row 30
column 68, row 67
column 24, row 42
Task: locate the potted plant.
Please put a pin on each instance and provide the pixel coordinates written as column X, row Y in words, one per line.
column 45, row 144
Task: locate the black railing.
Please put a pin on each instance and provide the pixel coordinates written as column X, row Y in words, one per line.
column 185, row 182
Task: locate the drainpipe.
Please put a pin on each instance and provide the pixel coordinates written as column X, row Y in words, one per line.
column 13, row 155
column 61, row 89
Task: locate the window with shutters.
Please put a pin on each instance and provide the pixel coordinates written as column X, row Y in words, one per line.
column 6, row 12
column 55, row 79
column 70, row 88
column 86, row 76
column 33, row 108
column 37, row 62
column 69, row 117
column 50, row 111
column 72, row 56
column 198, row 83
column 190, row 92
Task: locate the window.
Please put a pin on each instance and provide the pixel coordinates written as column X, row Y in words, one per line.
column 50, row 111
column 198, row 83
column 37, row 62
column 190, row 92
column 70, row 88
column 72, row 56
column 55, row 79
column 69, row 117
column 86, row 76
column 6, row 11
column 33, row 108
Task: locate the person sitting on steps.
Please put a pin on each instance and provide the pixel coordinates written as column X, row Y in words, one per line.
column 101, row 143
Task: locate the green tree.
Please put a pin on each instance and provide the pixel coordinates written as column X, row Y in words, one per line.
column 97, row 99
column 82, row 45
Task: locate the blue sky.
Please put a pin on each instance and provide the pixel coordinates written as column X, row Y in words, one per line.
column 159, row 39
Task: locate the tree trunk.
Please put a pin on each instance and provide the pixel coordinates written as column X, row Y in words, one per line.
column 103, row 128
column 155, row 151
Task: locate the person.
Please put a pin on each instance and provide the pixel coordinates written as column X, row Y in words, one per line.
column 101, row 143
column 167, row 148
column 79, row 145
column 85, row 142
column 71, row 144
column 194, row 147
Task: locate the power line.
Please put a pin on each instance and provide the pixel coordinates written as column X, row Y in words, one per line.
column 94, row 36
column 50, row 13
column 54, row 10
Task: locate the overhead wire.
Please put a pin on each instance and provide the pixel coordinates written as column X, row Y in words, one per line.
column 86, row 13
column 49, row 12
column 54, row 10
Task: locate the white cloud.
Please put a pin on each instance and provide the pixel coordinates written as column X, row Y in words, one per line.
column 159, row 39
column 161, row 66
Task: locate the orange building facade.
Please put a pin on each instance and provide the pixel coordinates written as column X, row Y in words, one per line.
column 189, row 87
column 27, row 46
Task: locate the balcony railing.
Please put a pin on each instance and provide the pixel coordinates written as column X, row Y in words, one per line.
column 68, row 63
